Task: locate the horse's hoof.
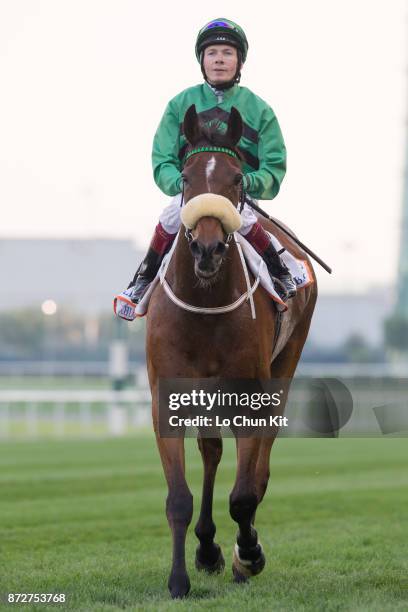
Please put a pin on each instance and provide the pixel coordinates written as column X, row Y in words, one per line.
column 179, row 585
column 209, row 565
column 238, row 577
column 247, row 567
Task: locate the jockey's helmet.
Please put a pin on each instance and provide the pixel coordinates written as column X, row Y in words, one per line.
column 221, row 31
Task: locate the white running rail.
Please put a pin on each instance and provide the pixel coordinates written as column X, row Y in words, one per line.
column 59, row 413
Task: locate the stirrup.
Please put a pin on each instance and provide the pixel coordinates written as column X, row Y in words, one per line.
column 288, row 281
column 285, row 290
column 286, row 285
column 123, row 307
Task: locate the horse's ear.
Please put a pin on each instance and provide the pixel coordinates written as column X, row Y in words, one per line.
column 191, row 127
column 235, row 127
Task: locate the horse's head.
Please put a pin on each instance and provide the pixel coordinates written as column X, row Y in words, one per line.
column 212, row 183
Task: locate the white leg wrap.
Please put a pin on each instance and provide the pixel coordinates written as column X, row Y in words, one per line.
column 170, row 217
column 246, row 562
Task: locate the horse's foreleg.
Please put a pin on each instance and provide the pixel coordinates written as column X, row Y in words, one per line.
column 248, row 558
column 179, row 510
column 262, row 467
column 208, row 556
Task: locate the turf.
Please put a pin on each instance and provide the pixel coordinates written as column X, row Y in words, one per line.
column 87, row 519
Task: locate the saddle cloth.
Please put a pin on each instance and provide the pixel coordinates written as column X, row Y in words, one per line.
column 299, row 269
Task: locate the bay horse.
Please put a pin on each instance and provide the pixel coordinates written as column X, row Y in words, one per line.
column 205, row 273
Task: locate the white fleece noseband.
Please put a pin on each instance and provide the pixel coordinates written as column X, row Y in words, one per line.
column 211, row 205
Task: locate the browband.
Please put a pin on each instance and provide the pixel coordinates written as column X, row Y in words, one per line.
column 210, row 150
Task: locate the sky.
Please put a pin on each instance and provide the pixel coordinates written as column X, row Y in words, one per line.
column 84, row 85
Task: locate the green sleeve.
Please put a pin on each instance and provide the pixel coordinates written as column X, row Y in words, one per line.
column 165, row 161
column 264, row 183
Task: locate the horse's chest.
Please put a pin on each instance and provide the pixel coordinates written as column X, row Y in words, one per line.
column 184, row 345
column 214, row 349
column 216, row 334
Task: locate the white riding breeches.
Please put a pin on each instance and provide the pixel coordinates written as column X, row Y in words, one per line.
column 170, row 217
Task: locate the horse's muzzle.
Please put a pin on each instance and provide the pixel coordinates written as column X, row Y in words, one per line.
column 208, row 258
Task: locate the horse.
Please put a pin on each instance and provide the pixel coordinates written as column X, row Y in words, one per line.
column 205, row 271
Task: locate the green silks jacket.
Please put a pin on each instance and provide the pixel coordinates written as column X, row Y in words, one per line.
column 261, row 145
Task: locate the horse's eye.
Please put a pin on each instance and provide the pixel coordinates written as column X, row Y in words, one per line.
column 185, row 180
column 238, row 179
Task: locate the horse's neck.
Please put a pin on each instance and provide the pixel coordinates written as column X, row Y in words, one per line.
column 229, row 285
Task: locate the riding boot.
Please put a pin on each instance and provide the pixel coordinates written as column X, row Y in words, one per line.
column 145, row 274
column 159, row 246
column 281, row 277
column 124, row 304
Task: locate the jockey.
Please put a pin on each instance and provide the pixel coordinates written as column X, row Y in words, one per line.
column 221, row 49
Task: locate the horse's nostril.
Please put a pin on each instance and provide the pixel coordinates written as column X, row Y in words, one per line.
column 220, row 248
column 207, row 256
column 195, row 248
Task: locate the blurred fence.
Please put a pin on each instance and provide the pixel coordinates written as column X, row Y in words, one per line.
column 369, row 406
column 54, row 413
column 61, row 368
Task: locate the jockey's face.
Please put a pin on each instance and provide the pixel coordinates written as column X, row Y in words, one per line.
column 220, row 63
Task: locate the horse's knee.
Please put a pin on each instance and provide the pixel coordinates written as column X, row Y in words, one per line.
column 179, row 507
column 242, row 506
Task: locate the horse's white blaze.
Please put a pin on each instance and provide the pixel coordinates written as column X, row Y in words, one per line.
column 209, row 170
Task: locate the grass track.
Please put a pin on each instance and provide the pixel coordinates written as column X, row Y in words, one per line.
column 87, row 518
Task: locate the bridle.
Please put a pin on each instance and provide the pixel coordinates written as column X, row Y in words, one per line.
column 250, row 290
column 242, row 193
